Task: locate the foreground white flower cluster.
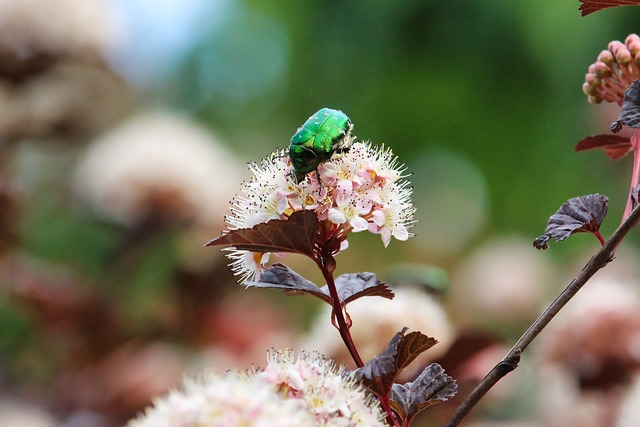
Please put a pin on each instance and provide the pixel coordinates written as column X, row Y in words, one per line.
column 306, row 390
column 363, row 189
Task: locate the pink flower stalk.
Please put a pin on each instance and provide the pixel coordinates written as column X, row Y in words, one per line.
column 363, row 189
column 635, row 175
column 607, row 80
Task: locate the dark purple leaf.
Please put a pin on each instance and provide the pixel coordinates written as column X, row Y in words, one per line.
column 378, row 374
column 614, row 146
column 580, row 214
column 295, row 235
column 590, row 6
column 432, row 386
column 279, row 276
column 350, row 286
column 630, row 112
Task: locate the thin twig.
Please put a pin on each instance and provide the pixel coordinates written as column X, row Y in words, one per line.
column 510, row 361
column 343, row 328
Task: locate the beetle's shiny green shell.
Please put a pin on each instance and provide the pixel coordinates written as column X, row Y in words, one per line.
column 317, row 139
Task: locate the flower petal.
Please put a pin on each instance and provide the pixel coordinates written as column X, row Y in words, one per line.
column 359, row 224
column 336, row 216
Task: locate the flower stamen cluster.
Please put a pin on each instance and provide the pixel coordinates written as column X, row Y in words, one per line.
column 613, row 71
column 332, row 395
column 293, row 391
column 361, row 189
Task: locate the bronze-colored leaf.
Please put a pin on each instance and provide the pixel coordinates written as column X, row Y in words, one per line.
column 614, row 146
column 352, row 286
column 580, row 214
column 349, row 286
column 590, row 6
column 295, row 235
column 432, row 386
column 378, row 374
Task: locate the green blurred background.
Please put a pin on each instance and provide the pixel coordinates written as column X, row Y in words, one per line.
column 480, row 100
column 493, row 90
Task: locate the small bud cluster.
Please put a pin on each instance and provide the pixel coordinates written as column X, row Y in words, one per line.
column 613, row 71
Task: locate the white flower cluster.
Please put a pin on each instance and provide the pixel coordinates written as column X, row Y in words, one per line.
column 292, row 391
column 363, row 189
column 57, row 28
column 331, row 395
column 157, row 163
column 231, row 400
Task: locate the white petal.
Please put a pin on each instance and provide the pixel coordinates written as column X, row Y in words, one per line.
column 400, row 232
column 359, row 224
column 385, row 234
column 378, row 218
column 294, row 380
column 343, row 192
column 336, row 216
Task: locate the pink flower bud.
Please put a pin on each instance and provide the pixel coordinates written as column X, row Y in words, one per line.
column 631, row 39
column 602, row 69
column 592, row 80
column 613, row 71
column 606, row 57
column 634, row 47
column 623, row 56
column 594, row 99
column 615, row 45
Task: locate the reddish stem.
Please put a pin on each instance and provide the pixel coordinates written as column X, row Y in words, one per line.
column 326, row 264
column 510, row 361
column 386, row 406
column 599, row 236
column 635, row 175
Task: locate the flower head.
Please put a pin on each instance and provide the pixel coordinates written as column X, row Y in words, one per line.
column 331, row 395
column 613, row 71
column 610, row 308
column 230, row 400
column 156, row 164
column 362, row 189
column 64, row 28
column 303, row 390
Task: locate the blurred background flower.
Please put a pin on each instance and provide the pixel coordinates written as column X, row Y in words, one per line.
column 589, row 356
column 377, row 320
column 501, row 283
column 158, row 164
column 52, row 69
column 628, row 415
column 124, row 129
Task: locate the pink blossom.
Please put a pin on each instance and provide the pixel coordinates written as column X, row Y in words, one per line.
column 361, row 189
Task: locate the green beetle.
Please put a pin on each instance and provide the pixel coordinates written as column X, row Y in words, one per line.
column 326, row 132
